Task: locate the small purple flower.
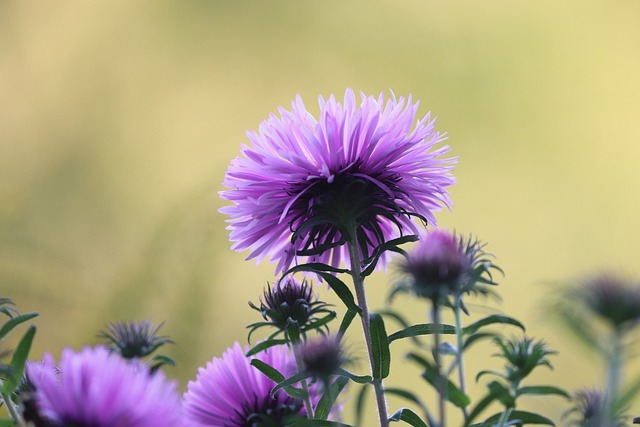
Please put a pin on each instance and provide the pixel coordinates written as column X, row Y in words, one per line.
column 230, row 392
column 438, row 266
column 322, row 356
column 304, row 185
column 97, row 388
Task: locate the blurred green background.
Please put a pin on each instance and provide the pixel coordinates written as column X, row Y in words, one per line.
column 118, row 120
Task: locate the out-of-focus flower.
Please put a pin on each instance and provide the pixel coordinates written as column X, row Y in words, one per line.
column 321, row 357
column 437, row 266
column 230, row 392
column 443, row 264
column 305, row 185
column 133, row 339
column 290, row 301
column 590, row 410
column 97, row 388
column 614, row 299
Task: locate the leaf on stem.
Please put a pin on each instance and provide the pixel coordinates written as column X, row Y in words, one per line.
column 422, row 329
column 327, row 401
column 18, row 361
column 494, row 318
column 409, row 417
column 8, row 327
column 380, row 347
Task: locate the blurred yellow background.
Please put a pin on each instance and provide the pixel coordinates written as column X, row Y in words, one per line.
column 118, row 120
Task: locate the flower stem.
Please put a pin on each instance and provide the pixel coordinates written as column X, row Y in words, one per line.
column 358, row 283
column 460, row 344
column 440, row 378
column 305, row 387
column 12, row 410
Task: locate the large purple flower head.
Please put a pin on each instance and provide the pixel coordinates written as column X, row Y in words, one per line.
column 96, row 388
column 305, row 187
column 230, row 392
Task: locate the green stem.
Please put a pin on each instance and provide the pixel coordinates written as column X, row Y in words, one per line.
column 460, row 344
column 504, row 417
column 358, row 283
column 305, row 388
column 12, row 410
column 614, row 373
column 440, row 378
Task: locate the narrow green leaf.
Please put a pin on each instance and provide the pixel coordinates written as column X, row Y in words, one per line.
column 494, row 318
column 160, row 360
column 263, row 345
column 380, row 346
column 8, row 327
column 372, row 261
column 483, row 403
column 349, row 315
column 327, row 401
column 317, row 423
column 360, row 379
column 360, row 400
column 318, row 323
column 544, row 390
column 476, row 338
column 412, row 398
column 454, row 394
column 300, row 376
column 628, row 394
column 274, row 375
column 523, row 417
column 7, row 423
column 314, row 267
column 341, row 290
column 18, row 360
column 409, row 417
column 421, row 329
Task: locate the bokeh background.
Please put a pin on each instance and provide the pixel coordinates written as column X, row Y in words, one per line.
column 118, row 120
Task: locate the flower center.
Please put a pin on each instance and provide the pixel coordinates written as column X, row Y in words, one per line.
column 267, row 412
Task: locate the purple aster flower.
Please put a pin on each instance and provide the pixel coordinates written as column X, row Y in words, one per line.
column 305, row 185
column 230, row 392
column 97, row 388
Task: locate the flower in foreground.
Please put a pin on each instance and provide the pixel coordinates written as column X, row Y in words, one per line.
column 230, row 392
column 97, row 388
column 304, row 185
